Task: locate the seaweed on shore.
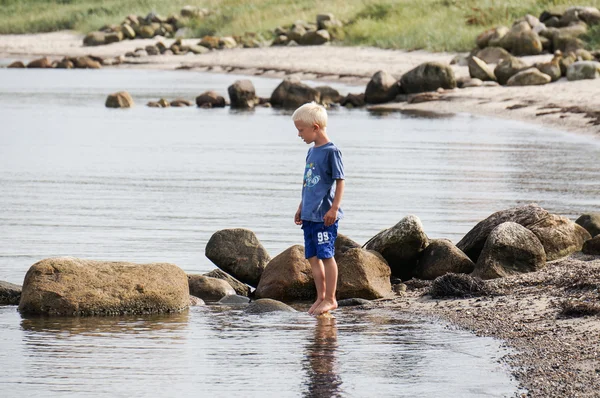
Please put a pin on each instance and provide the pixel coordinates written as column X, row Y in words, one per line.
column 458, row 285
column 576, row 308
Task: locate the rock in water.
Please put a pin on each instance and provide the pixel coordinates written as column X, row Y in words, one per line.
column 71, row 286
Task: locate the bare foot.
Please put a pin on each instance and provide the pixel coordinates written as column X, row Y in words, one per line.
column 314, row 306
column 325, row 306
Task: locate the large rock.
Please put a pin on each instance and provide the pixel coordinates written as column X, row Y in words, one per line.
column 551, row 68
column 209, row 289
column 529, row 77
column 41, row 63
column 94, row 39
column 478, row 69
column 263, row 306
column 242, row 94
column 492, row 55
column 522, row 40
column 491, row 37
column 363, row 274
column 72, row 286
column 382, row 87
column 239, row 253
column 589, row 15
column 428, row 77
column 291, row 94
column 240, row 288
column 10, row 294
column 86, row 63
column 343, row 244
column 17, row 64
column 507, row 68
column 582, row 70
column 472, row 243
column 591, row 222
column 329, row 95
column 510, row 249
column 315, row 38
column 122, row 99
column 401, row 246
column 210, row 99
column 440, row 257
column 287, row 277
column 592, row 246
column 559, row 236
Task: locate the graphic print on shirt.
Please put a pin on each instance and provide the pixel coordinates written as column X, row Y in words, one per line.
column 310, row 179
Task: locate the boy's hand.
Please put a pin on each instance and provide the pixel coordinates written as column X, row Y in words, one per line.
column 330, row 217
column 297, row 219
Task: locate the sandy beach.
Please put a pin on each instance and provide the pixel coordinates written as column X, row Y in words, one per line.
column 564, row 105
column 553, row 355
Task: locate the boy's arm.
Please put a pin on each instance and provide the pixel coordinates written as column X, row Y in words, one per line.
column 331, row 216
column 297, row 218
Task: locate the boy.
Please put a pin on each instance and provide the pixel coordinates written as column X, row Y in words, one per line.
column 319, row 210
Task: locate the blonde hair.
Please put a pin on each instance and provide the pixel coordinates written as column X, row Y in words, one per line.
column 311, row 113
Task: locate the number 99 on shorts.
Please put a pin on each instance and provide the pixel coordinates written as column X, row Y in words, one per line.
column 322, row 237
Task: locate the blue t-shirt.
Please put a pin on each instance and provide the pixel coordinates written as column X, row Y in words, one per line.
column 323, row 166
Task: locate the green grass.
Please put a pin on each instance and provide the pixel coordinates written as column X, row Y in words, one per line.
column 435, row 25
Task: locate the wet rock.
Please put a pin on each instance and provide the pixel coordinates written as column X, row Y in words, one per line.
column 440, row 257
column 478, row 69
column 263, row 306
column 590, row 221
column 41, row 63
column 529, row 77
column 242, row 95
column 510, row 249
column 582, row 70
column 291, row 94
column 559, row 236
column 343, row 244
column 234, row 300
column 592, row 246
column 507, row 68
column 287, row 277
column 353, row 100
column 364, row 274
column 353, row 302
column 180, row 103
column 209, row 289
column 122, row 99
column 240, row 288
column 382, row 88
column 401, row 246
column 16, row 64
column 210, row 99
column 328, row 95
column 10, row 294
column 196, row 301
column 492, row 55
column 428, row 77
column 472, row 243
column 239, row 253
column 70, row 286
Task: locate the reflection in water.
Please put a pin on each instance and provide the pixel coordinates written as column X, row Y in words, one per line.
column 324, row 380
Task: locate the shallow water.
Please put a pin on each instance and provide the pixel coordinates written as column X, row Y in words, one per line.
column 148, row 185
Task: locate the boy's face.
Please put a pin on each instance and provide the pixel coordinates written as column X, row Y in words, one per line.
column 307, row 132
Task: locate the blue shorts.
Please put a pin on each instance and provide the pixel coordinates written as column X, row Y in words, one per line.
column 319, row 240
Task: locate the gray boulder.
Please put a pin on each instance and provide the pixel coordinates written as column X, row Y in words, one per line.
column 507, row 68
column 472, row 243
column 239, row 253
column 582, row 70
column 478, row 69
column 529, row 77
column 240, row 288
column 353, row 302
column 492, row 55
column 234, row 300
column 209, row 289
column 328, row 95
column 401, row 246
column 69, row 286
column 263, row 306
column 287, row 277
column 440, row 257
column 510, row 249
column 10, row 294
column 363, row 274
column 242, row 95
column 382, row 88
column 291, row 94
column 210, row 99
column 122, row 99
column 559, row 236
column 428, row 77
column 592, row 246
column 591, row 222
column 196, row 302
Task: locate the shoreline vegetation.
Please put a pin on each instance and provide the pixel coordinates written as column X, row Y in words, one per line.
column 431, row 25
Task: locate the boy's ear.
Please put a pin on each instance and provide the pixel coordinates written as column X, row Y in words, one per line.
column 316, row 126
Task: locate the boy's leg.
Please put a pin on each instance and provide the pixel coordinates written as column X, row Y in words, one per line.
column 329, row 303
column 318, row 272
